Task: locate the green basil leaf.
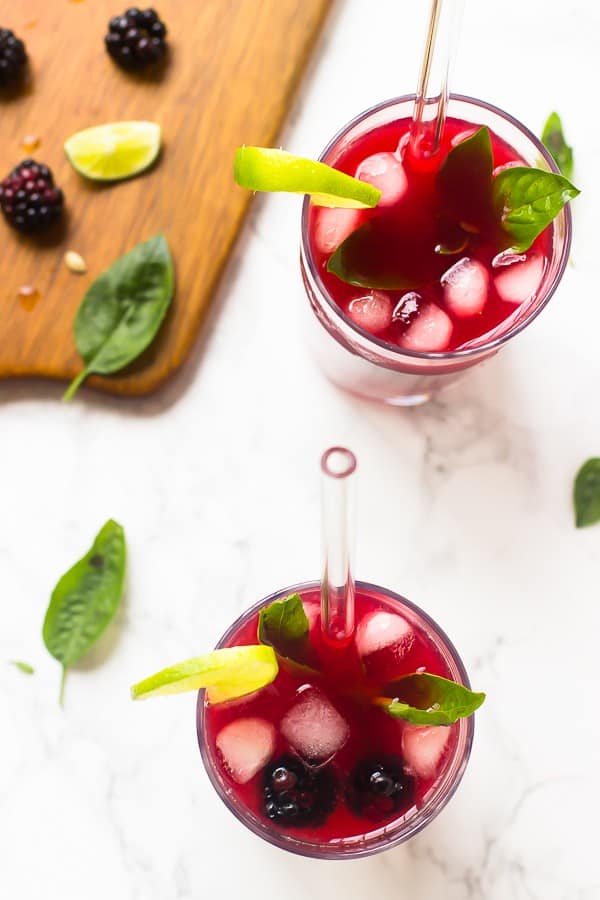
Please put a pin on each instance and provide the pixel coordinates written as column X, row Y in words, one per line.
column 465, row 179
column 554, row 141
column 284, row 626
column 425, row 699
column 388, row 253
column 123, row 309
column 586, row 493
column 527, row 200
column 86, row 598
column 23, row 667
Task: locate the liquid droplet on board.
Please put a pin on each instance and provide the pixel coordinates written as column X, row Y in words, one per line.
column 28, row 297
column 30, row 142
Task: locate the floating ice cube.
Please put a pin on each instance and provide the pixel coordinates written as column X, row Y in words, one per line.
column 423, row 748
column 382, row 629
column 246, row 745
column 406, row 307
column 314, row 727
column 384, row 171
column 466, row 287
column 373, row 312
column 517, row 282
column 506, row 165
column 507, row 258
column 462, row 136
column 429, row 332
column 333, row 226
column 312, row 612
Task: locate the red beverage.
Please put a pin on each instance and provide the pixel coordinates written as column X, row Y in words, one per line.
column 457, row 296
column 465, row 295
column 310, row 763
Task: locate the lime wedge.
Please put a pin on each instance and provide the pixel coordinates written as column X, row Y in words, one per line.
column 227, row 674
column 114, row 151
column 266, row 169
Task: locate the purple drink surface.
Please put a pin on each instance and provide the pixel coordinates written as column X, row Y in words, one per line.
column 358, row 733
column 460, row 298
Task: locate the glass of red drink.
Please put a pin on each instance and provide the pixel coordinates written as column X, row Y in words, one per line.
column 309, row 763
column 401, row 347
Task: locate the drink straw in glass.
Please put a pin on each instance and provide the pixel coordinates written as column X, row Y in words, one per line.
column 431, row 101
column 338, row 467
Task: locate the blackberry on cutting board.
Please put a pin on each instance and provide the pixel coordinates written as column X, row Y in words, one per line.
column 137, row 38
column 13, row 57
column 296, row 796
column 29, row 198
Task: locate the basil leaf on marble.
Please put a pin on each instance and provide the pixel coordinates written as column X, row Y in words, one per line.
column 554, row 141
column 123, row 310
column 586, row 493
column 23, row 667
column 86, row 598
column 527, row 200
column 425, row 699
column 283, row 625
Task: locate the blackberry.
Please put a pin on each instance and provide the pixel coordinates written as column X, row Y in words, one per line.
column 380, row 788
column 13, row 57
column 296, row 796
column 136, row 39
column 28, row 197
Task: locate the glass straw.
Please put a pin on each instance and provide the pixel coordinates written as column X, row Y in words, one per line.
column 431, row 101
column 338, row 466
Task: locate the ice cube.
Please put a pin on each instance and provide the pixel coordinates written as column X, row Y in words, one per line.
column 312, row 611
column 384, row 171
column 382, row 629
column 373, row 312
column 314, row 727
column 507, row 258
column 429, row 332
column 462, row 136
column 246, row 745
column 506, row 165
column 466, row 287
column 423, row 748
column 333, row 226
column 517, row 282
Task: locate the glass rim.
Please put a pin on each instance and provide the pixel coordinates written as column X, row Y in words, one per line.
column 382, row 841
column 449, row 355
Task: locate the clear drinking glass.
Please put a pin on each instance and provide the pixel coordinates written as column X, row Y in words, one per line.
column 378, row 838
column 371, row 368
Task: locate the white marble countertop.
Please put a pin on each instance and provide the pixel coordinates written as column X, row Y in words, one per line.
column 465, row 507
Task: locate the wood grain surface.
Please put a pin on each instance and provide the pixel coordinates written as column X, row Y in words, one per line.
column 231, row 70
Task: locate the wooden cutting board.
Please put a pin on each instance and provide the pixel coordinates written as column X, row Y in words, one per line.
column 232, row 68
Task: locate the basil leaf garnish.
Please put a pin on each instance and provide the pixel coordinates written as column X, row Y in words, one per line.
column 23, row 667
column 527, row 200
column 465, row 178
column 123, row 310
column 364, row 258
column 425, row 699
column 586, row 493
column 554, row 141
column 284, row 626
column 85, row 599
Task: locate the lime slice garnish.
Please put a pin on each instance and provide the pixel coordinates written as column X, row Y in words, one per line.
column 227, row 674
column 114, row 151
column 266, row 169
